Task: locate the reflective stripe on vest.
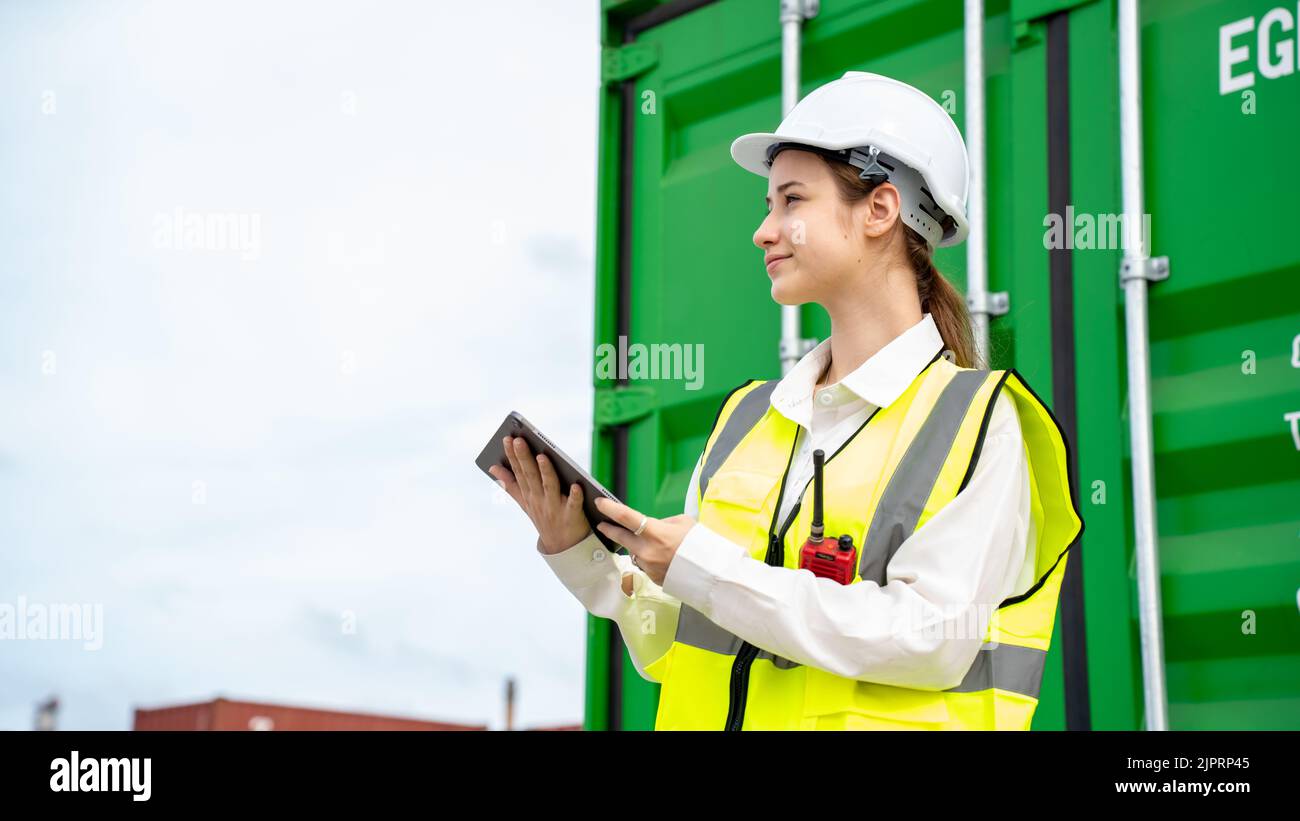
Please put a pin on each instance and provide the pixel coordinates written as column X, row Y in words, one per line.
column 751, row 408
column 1005, row 666
column 694, row 629
column 901, row 504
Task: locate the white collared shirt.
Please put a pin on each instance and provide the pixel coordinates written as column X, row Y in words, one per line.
column 922, row 629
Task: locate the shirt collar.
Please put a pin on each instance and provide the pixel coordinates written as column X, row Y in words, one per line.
column 880, row 380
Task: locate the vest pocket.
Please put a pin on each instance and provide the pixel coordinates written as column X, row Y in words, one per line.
column 836, row 702
column 740, row 488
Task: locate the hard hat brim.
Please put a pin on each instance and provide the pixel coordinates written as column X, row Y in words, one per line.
column 750, row 151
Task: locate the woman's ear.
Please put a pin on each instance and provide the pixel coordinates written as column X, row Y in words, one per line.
column 881, row 210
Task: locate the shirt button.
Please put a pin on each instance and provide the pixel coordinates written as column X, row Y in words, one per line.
column 598, row 555
column 825, row 397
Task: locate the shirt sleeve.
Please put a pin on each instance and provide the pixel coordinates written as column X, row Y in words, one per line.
column 924, row 627
column 648, row 617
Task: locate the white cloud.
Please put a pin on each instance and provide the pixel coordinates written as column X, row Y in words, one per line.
column 425, row 265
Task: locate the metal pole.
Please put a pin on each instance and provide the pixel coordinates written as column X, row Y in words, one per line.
column 978, row 299
column 793, row 13
column 1135, row 273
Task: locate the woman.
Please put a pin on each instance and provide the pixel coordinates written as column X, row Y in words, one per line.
column 946, row 494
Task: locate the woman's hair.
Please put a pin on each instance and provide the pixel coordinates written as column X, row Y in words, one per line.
column 938, row 297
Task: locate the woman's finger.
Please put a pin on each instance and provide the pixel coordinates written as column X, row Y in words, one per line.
column 575, row 497
column 620, row 535
column 527, row 475
column 626, row 537
column 514, row 464
column 507, row 481
column 621, row 513
column 550, row 482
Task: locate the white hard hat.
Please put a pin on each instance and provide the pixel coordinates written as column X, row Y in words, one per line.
column 887, row 128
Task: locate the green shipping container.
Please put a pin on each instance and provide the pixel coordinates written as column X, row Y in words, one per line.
column 1220, row 91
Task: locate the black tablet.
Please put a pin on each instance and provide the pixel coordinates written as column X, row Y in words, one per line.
column 568, row 470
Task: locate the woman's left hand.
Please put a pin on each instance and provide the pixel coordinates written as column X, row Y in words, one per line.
column 654, row 549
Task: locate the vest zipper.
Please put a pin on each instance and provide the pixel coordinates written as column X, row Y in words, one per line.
column 775, row 557
column 746, row 654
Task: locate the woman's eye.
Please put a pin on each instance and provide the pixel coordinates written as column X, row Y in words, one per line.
column 790, row 197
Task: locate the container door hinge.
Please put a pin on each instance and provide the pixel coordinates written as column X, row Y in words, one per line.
column 618, row 406
column 625, row 62
column 796, row 11
column 1024, row 34
column 990, row 303
column 1152, row 269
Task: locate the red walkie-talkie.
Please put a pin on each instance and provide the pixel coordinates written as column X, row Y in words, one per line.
column 829, row 558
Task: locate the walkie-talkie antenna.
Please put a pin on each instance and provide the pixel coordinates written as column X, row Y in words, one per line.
column 817, row 529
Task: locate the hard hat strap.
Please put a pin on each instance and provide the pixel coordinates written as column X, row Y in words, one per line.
column 865, row 157
column 869, row 162
column 932, row 222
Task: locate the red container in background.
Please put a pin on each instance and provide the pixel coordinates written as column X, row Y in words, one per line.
column 224, row 714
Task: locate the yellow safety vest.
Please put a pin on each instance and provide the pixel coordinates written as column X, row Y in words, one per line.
column 905, row 463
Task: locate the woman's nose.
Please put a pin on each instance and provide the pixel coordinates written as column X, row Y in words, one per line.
column 767, row 233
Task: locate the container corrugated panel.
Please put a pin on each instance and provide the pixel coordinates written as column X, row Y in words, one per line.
column 1224, row 371
column 225, row 714
column 676, row 264
column 1225, row 363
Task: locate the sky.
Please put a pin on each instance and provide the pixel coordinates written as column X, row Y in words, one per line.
column 271, row 274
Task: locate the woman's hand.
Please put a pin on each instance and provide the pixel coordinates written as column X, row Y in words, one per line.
column 654, row 549
column 532, row 483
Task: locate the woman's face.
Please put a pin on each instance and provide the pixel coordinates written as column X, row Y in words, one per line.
column 817, row 245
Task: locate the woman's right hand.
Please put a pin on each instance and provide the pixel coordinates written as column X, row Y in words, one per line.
column 531, row 481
